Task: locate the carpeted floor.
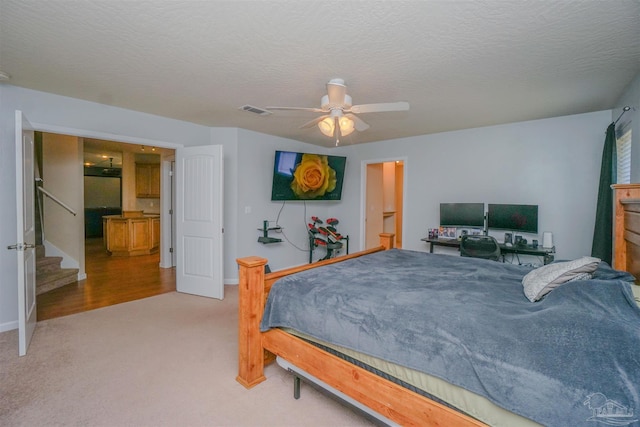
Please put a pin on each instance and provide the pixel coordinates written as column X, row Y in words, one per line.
column 168, row 360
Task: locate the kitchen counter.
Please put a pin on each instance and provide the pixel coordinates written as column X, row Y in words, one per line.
column 132, row 233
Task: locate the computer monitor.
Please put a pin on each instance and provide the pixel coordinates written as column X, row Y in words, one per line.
column 470, row 215
column 522, row 218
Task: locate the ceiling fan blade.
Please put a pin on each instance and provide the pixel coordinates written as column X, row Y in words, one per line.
column 313, row 122
column 381, row 107
column 359, row 124
column 314, row 110
column 336, row 90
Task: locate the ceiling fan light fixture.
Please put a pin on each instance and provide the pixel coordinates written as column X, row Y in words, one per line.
column 346, row 126
column 327, row 126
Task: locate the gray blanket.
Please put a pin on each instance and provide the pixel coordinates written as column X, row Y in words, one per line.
column 568, row 360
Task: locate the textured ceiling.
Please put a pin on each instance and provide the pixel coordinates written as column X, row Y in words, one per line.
column 460, row 64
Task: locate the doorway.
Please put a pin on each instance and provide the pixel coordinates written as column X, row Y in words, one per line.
column 383, row 201
column 110, row 280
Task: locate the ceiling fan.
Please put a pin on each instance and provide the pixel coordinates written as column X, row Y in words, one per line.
column 340, row 114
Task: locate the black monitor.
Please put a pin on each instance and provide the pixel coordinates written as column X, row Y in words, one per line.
column 469, row 215
column 522, row 218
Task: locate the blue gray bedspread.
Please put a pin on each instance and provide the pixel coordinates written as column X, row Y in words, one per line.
column 570, row 359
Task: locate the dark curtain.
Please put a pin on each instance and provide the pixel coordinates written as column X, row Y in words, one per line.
column 603, row 234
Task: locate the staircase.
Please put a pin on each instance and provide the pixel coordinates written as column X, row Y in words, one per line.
column 49, row 274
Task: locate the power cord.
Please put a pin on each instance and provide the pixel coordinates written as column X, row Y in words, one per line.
column 281, row 229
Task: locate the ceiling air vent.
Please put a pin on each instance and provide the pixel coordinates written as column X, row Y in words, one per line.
column 256, row 110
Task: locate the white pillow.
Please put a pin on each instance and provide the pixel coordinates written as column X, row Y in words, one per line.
column 539, row 282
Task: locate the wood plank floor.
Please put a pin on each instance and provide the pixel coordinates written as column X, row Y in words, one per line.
column 110, row 280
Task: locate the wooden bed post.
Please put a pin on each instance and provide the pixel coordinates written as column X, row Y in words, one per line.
column 387, row 240
column 251, row 300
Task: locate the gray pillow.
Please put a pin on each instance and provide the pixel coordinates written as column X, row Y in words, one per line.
column 539, row 282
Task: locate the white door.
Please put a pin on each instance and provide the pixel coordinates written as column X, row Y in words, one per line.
column 26, row 232
column 199, row 221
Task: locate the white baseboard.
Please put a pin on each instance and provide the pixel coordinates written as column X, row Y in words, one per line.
column 67, row 260
column 9, row 326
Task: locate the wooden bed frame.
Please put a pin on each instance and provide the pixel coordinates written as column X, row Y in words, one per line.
column 257, row 348
column 626, row 249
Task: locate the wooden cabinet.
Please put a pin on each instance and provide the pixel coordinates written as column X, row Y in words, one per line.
column 130, row 236
column 155, row 232
column 148, row 180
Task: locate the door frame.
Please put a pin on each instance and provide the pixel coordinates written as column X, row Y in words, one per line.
column 167, row 206
column 363, row 192
column 84, row 133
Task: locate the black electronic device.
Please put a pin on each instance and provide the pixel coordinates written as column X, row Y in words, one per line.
column 534, row 243
column 469, row 215
column 523, row 218
column 306, row 176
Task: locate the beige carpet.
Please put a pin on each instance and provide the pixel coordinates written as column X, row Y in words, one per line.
column 169, row 360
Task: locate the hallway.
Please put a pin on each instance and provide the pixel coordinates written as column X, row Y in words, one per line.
column 110, row 280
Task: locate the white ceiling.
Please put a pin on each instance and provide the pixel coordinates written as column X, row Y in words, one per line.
column 460, row 64
column 98, row 152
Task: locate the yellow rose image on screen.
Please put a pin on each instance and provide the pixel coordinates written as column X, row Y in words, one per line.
column 313, row 177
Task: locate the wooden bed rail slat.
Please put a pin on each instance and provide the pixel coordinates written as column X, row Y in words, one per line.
column 386, row 242
column 385, row 397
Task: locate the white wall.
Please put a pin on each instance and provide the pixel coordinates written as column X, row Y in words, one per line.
column 631, row 98
column 255, row 159
column 228, row 138
column 554, row 163
column 63, row 177
column 68, row 116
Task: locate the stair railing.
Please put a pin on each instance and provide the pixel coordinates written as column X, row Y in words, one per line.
column 58, row 201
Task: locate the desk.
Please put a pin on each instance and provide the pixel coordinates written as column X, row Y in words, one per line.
column 546, row 253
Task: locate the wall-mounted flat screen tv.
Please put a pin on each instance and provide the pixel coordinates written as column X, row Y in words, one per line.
column 307, row 176
column 522, row 218
column 462, row 215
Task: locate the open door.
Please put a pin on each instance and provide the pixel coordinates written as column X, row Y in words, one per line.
column 26, row 234
column 383, row 201
column 199, row 205
column 374, row 205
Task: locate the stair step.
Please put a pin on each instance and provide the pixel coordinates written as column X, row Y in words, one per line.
column 46, row 264
column 53, row 280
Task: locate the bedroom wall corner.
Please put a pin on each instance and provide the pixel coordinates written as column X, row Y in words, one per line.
column 256, row 153
column 228, row 138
